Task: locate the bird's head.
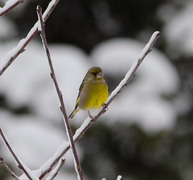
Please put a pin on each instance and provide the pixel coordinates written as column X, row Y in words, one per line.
column 94, row 73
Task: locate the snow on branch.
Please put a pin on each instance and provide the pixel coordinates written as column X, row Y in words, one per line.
column 12, row 55
column 9, row 5
column 48, row 165
column 55, row 171
column 19, row 163
column 8, row 169
column 119, row 177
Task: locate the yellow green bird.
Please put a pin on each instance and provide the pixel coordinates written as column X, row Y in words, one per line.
column 93, row 92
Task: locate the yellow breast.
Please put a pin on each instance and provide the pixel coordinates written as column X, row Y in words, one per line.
column 93, row 95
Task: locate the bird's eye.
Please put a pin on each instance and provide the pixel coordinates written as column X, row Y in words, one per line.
column 94, row 73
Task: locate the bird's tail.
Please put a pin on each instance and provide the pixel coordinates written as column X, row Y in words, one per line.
column 73, row 113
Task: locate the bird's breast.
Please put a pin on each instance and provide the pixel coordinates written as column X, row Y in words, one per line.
column 93, row 95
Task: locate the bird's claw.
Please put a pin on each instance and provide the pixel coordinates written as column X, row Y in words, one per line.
column 105, row 107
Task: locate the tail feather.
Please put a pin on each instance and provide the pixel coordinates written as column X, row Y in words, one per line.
column 73, row 113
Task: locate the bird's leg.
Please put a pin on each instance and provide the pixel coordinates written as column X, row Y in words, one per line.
column 90, row 115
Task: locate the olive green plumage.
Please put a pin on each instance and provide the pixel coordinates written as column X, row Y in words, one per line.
column 93, row 91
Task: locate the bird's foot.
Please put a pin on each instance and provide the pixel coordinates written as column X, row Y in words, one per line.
column 105, row 107
column 90, row 115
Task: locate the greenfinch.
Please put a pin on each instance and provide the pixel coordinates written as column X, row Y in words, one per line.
column 93, row 92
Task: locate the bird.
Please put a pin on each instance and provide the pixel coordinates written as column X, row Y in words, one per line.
column 93, row 92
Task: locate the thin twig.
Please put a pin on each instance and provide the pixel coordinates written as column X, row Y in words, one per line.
column 6, row 9
column 88, row 123
column 12, row 55
column 20, row 164
column 62, row 107
column 54, row 172
column 8, row 168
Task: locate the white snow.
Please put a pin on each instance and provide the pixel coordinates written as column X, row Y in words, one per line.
column 119, row 177
column 50, row 5
column 178, row 30
column 7, row 5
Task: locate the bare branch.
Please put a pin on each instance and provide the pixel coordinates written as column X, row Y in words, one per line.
column 12, row 55
column 8, row 8
column 63, row 110
column 8, row 168
column 54, row 172
column 88, row 122
column 21, row 165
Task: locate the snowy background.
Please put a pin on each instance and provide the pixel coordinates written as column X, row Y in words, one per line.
column 151, row 101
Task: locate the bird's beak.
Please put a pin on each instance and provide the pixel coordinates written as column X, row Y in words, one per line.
column 99, row 75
